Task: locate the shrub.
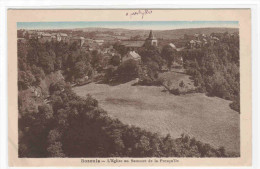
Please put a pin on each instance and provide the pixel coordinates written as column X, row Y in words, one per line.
column 129, row 69
column 115, row 60
column 25, row 79
column 181, row 84
column 175, row 91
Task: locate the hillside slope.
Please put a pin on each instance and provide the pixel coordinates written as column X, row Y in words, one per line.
column 32, row 97
column 208, row 119
column 165, row 34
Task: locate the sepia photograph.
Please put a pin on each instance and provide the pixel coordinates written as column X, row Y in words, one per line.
column 129, row 88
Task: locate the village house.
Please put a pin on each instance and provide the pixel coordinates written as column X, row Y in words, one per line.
column 178, row 58
column 132, row 55
column 45, row 37
column 213, row 40
column 133, row 45
column 31, row 35
column 60, row 37
column 172, row 45
column 79, row 40
column 109, row 50
column 21, row 40
column 98, row 41
column 194, row 44
column 63, row 37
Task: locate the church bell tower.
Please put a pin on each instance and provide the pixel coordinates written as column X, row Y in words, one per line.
column 151, row 40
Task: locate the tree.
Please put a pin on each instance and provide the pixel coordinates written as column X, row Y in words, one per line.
column 55, row 150
column 121, row 49
column 151, row 53
column 58, row 86
column 169, row 54
column 45, row 113
column 115, row 60
column 153, row 70
column 46, row 61
column 96, row 59
column 80, row 70
column 25, row 79
column 38, row 74
column 143, row 148
column 129, row 69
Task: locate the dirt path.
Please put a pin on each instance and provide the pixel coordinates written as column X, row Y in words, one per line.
column 208, row 119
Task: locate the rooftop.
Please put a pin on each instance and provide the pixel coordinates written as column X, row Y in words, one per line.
column 133, row 43
column 134, row 55
column 172, row 45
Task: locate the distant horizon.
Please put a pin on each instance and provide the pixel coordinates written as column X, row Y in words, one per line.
column 130, row 25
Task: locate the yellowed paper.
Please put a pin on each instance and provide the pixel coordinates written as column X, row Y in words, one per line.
column 242, row 16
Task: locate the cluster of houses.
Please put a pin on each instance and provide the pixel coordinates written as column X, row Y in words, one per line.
column 133, row 46
column 200, row 40
column 88, row 44
column 85, row 43
column 97, row 43
column 44, row 36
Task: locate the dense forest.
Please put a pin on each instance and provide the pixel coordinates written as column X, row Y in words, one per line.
column 66, row 125
column 215, row 69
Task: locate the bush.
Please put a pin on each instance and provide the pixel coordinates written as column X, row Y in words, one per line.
column 59, row 86
column 110, row 73
column 175, row 91
column 25, row 80
column 115, row 60
column 149, row 82
column 215, row 70
column 235, row 105
column 129, row 69
column 181, row 84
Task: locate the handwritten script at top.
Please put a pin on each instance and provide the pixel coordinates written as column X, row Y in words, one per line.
column 141, row 13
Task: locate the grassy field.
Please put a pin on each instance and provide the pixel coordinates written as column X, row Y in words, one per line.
column 208, row 119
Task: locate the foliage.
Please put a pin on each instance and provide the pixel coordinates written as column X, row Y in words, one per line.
column 66, row 125
column 121, row 49
column 96, row 60
column 169, row 54
column 151, row 54
column 71, row 126
column 128, row 69
column 215, row 69
column 25, row 80
column 115, row 60
column 35, row 60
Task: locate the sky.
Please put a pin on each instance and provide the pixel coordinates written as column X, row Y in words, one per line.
column 147, row 25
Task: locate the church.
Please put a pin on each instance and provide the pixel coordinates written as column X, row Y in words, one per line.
column 151, row 40
column 133, row 45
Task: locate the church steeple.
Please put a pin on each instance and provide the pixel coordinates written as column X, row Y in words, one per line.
column 151, row 35
column 151, row 40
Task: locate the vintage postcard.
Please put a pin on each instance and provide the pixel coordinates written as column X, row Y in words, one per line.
column 139, row 87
